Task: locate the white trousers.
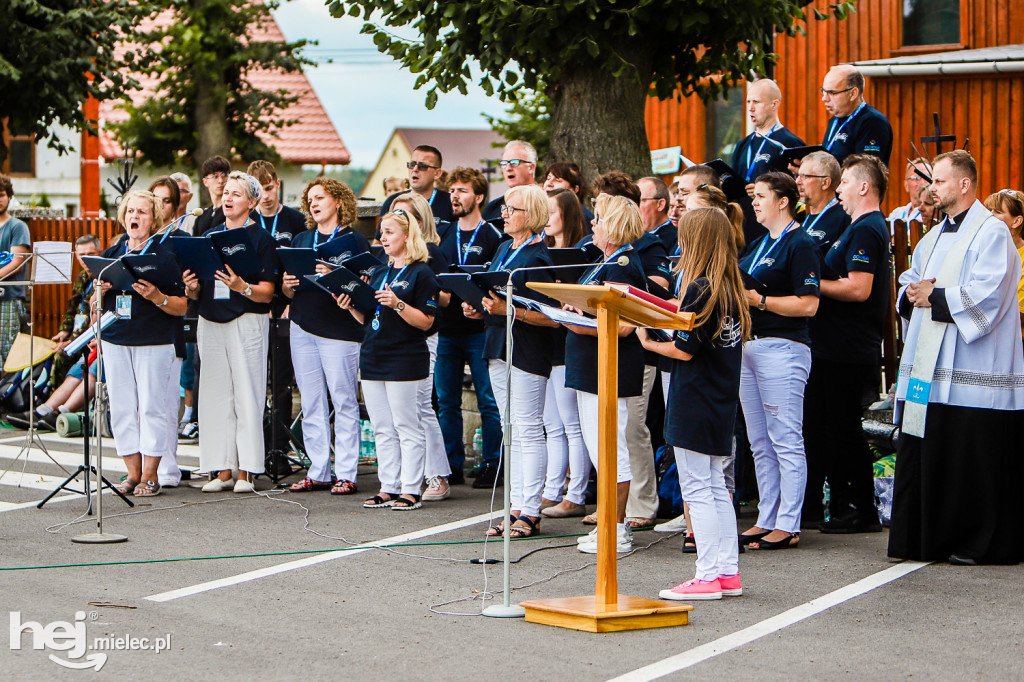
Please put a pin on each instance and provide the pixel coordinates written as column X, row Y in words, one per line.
column 327, row 367
column 587, row 403
column 233, row 384
column 772, row 383
column 139, row 380
column 643, row 488
column 702, row 481
column 528, row 458
column 436, row 461
column 397, row 434
column 566, row 450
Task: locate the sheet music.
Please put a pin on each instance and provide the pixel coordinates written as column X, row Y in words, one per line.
column 564, row 316
column 53, row 262
column 90, row 332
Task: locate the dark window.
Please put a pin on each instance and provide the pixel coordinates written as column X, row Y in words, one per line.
column 22, row 156
column 931, row 22
column 723, row 126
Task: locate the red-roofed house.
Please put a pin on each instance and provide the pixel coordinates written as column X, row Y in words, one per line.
column 312, row 140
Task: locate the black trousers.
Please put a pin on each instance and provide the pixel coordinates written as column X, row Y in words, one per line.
column 281, row 376
column 955, row 490
column 834, row 440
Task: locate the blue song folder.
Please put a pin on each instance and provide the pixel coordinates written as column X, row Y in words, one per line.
column 344, row 281
column 298, row 263
column 205, row 255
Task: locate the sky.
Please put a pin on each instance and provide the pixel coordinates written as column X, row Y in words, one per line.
column 366, row 94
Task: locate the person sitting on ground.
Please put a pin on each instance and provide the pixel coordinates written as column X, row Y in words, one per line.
column 66, row 398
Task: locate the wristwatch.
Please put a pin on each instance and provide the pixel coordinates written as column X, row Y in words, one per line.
column 166, row 301
column 763, row 305
column 400, row 306
column 248, row 291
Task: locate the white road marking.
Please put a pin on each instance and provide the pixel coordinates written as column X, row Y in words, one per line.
column 330, row 555
column 745, row 636
column 111, row 462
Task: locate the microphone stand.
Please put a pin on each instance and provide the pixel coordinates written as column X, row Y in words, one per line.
column 506, row 609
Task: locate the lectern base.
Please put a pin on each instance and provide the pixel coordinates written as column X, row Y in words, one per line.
column 583, row 613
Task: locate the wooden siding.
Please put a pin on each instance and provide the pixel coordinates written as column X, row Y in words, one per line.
column 50, row 299
column 988, row 110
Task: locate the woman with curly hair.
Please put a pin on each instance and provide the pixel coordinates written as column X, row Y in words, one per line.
column 325, row 346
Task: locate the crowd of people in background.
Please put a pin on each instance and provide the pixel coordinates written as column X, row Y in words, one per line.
column 788, row 277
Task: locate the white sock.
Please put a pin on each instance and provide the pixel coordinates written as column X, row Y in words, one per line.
column 63, row 410
column 44, row 410
column 186, row 416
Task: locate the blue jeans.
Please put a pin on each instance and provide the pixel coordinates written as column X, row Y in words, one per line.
column 453, row 353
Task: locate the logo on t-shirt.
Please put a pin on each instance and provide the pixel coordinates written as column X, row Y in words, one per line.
column 763, row 157
column 812, row 279
column 283, row 236
column 400, row 284
column 816, row 234
column 841, row 137
column 467, row 250
column 732, row 333
column 861, row 257
column 872, row 147
column 767, row 262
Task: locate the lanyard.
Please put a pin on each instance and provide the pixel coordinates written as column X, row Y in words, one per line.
column 84, row 305
column 273, row 227
column 383, row 284
column 832, row 138
column 177, row 226
column 611, row 259
column 814, row 222
column 508, row 259
column 764, row 140
column 316, row 234
column 757, row 256
column 144, row 249
column 461, row 255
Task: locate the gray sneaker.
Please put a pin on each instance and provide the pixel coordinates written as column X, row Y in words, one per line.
column 189, row 433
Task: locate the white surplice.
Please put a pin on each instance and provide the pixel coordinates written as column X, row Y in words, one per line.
column 981, row 361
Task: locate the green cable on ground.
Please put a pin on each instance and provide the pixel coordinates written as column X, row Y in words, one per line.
column 265, row 554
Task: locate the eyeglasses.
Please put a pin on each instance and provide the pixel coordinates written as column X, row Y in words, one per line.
column 215, row 176
column 513, row 162
column 643, row 199
column 419, row 165
column 507, row 210
column 833, row 93
column 810, row 175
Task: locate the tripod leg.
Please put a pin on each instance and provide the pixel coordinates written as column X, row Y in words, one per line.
column 108, row 484
column 64, row 485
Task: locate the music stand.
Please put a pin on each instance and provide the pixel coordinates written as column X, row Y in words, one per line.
column 52, row 274
column 279, row 328
column 607, row 610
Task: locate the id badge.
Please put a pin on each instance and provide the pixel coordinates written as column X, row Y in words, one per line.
column 220, row 290
column 80, row 321
column 123, row 307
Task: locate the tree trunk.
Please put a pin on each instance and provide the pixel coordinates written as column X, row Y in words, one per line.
column 597, row 119
column 212, row 136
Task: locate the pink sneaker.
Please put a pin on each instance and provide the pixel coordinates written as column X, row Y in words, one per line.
column 693, row 590
column 731, row 585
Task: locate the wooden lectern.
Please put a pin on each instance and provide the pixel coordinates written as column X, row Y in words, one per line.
column 607, row 610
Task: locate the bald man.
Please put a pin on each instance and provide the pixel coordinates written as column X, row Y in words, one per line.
column 756, row 151
column 855, row 127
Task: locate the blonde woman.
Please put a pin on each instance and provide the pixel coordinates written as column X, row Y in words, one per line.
column 394, row 362
column 233, row 332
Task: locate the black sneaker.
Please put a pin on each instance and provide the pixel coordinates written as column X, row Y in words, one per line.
column 47, row 423
column 852, row 522
column 486, row 478
column 18, row 419
column 457, row 477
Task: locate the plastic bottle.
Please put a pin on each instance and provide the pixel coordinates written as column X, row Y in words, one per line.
column 478, row 443
column 367, row 447
column 826, row 499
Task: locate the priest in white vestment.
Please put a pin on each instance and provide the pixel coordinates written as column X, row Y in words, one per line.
column 960, row 394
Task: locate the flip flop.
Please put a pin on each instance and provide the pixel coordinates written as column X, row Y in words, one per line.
column 127, row 486
column 147, row 489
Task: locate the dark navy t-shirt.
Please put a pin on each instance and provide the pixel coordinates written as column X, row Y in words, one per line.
column 397, row 351
column 851, row 331
column 668, row 234
column 477, row 247
column 440, row 205
column 825, row 227
column 789, row 266
column 313, row 310
column 754, row 153
column 227, row 309
column 283, row 227
column 705, row 390
column 531, row 344
column 868, row 133
column 581, row 350
column 149, row 325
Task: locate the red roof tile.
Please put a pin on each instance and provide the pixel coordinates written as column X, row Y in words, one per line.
column 313, row 139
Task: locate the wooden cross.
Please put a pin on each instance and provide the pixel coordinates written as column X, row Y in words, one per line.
column 938, row 138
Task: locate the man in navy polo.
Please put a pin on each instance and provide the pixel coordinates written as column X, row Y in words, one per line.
column 855, row 127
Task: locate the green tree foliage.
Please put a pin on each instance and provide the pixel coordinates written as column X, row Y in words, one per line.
column 54, row 54
column 597, row 59
column 205, row 104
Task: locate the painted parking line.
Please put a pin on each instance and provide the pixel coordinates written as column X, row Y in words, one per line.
column 699, row 654
column 320, row 558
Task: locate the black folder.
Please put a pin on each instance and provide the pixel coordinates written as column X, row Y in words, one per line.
column 733, row 184
column 339, row 249
column 792, row 155
column 298, row 262
column 751, row 282
column 163, row 274
column 463, row 286
column 343, row 281
column 571, row 256
column 471, row 269
column 111, row 270
column 363, row 264
column 198, row 255
column 236, row 250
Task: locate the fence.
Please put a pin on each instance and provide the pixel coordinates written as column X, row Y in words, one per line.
column 50, row 299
